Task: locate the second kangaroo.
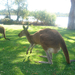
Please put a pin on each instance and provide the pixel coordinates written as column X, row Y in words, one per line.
column 2, row 31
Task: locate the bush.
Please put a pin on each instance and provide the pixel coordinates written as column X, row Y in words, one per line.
column 7, row 16
column 45, row 17
column 6, row 21
column 50, row 19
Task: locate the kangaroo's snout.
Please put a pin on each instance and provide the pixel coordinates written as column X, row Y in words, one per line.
column 22, row 33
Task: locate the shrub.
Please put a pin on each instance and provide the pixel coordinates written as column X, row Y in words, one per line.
column 45, row 17
column 6, row 21
column 7, row 16
column 50, row 19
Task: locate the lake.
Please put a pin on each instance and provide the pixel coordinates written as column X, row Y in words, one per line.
column 60, row 21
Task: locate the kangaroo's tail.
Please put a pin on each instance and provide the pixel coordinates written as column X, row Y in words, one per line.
column 5, row 37
column 64, row 48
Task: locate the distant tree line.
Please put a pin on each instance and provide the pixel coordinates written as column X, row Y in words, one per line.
column 43, row 17
column 58, row 14
column 5, row 12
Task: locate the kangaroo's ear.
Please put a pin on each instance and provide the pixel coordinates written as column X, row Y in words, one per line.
column 24, row 27
column 27, row 27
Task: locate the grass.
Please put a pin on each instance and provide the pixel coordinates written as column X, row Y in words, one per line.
column 14, row 61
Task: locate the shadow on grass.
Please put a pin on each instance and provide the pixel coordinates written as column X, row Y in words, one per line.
column 14, row 61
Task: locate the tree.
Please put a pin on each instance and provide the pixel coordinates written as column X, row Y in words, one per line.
column 42, row 16
column 45, row 17
column 8, row 7
column 36, row 15
column 50, row 19
column 24, row 14
column 21, row 6
column 71, row 22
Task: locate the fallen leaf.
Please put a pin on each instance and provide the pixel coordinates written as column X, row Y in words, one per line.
column 17, row 44
column 24, row 46
column 27, row 71
column 3, row 49
column 34, row 73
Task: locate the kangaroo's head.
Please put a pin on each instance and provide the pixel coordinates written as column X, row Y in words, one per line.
column 23, row 32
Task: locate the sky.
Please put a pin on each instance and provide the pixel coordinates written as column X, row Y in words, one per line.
column 62, row 6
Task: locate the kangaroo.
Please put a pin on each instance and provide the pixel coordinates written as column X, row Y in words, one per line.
column 50, row 40
column 2, row 31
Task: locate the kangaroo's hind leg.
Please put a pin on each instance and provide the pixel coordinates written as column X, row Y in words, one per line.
column 48, row 57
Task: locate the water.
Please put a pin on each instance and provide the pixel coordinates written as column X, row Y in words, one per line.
column 14, row 17
column 60, row 21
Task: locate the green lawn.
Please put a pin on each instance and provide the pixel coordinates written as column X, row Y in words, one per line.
column 14, row 61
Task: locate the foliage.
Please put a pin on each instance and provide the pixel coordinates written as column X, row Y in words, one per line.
column 24, row 14
column 8, row 5
column 10, row 22
column 36, row 14
column 14, row 61
column 6, row 21
column 30, row 13
column 21, row 8
column 5, row 12
column 44, row 17
column 48, row 18
column 7, row 16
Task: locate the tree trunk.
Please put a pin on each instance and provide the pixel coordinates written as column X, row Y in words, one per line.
column 8, row 8
column 18, row 17
column 71, row 22
column 18, row 12
column 9, row 13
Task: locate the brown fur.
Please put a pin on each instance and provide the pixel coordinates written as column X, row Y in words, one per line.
column 2, row 31
column 47, row 38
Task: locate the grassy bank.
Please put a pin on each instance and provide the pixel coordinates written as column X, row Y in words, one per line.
column 14, row 61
